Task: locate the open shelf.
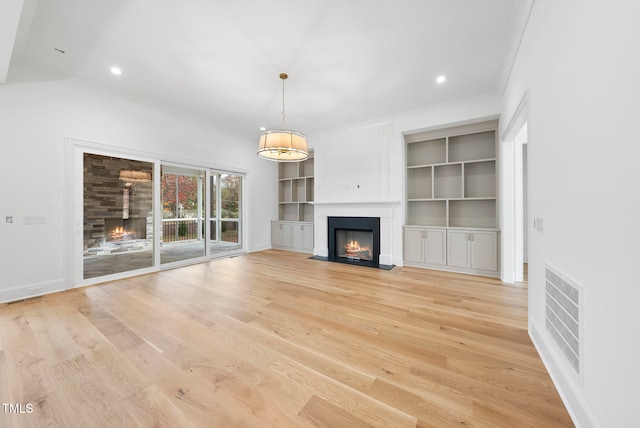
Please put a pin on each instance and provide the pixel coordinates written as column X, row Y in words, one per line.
column 300, row 193
column 427, row 213
column 307, row 168
column 473, row 213
column 288, row 170
column 481, row 145
column 419, row 183
column 309, row 189
column 447, row 181
column 480, row 179
column 285, row 192
column 427, row 152
column 306, row 212
column 289, row 212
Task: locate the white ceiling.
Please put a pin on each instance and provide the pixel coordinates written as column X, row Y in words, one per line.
column 219, row 60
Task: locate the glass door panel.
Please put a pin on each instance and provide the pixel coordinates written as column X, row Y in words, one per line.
column 117, row 215
column 226, row 212
column 182, row 232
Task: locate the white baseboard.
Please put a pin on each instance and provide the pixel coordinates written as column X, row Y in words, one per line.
column 257, row 248
column 28, row 291
column 386, row 259
column 569, row 391
column 321, row 252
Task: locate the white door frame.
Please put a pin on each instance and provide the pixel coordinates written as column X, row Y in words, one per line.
column 512, row 194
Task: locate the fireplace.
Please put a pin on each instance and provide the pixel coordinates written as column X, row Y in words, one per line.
column 125, row 229
column 354, row 240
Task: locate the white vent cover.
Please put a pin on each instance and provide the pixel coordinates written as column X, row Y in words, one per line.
column 563, row 313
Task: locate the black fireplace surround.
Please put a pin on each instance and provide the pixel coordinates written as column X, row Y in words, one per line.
column 366, row 224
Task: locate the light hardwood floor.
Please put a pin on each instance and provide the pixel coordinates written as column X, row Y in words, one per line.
column 275, row 339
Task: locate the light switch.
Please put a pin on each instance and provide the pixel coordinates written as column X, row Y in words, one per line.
column 538, row 224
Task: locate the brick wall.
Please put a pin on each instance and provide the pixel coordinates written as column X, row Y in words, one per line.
column 104, row 196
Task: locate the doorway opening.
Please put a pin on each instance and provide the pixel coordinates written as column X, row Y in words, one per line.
column 521, row 205
column 515, row 201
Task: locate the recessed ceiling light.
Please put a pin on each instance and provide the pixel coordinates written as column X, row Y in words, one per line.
column 440, row 79
column 116, row 70
column 262, row 128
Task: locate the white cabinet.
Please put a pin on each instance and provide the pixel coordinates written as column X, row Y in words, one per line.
column 292, row 235
column 425, row 246
column 458, row 253
column 473, row 249
column 302, row 236
column 484, row 250
column 280, row 234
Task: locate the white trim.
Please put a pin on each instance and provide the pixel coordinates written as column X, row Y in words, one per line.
column 518, row 118
column 157, row 213
column 516, row 52
column 511, row 223
column 567, row 388
column 28, row 291
column 519, row 140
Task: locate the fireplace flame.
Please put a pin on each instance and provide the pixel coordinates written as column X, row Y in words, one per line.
column 120, row 234
column 353, row 249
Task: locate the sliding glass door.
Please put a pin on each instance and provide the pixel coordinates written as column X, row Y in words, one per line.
column 183, row 213
column 140, row 214
column 117, row 215
column 226, row 210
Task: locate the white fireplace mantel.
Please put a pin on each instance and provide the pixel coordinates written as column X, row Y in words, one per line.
column 382, row 209
column 355, row 203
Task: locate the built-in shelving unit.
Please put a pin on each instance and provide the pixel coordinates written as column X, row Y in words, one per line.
column 296, row 190
column 294, row 228
column 451, row 183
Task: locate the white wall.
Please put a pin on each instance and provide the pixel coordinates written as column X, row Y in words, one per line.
column 578, row 62
column 35, row 118
column 365, row 163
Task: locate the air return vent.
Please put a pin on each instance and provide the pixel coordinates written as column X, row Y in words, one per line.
column 563, row 312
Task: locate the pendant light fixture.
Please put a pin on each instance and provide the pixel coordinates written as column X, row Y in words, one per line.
column 283, row 145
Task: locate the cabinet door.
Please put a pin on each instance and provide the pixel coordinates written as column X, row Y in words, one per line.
column 302, row 236
column 458, row 248
column 435, row 244
column 413, row 245
column 484, row 250
column 281, row 234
